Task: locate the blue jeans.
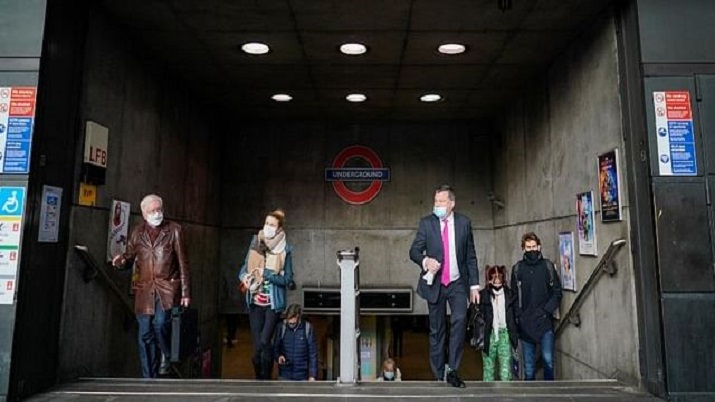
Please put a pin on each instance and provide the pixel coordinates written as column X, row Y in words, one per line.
column 154, row 331
column 547, row 355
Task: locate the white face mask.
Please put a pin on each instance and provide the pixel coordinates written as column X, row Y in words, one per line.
column 155, row 219
column 269, row 231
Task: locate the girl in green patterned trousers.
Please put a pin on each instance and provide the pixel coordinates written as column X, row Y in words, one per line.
column 497, row 304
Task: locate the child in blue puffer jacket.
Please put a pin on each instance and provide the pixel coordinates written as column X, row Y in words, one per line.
column 295, row 347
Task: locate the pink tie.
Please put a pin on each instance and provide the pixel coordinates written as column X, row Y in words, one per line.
column 445, row 258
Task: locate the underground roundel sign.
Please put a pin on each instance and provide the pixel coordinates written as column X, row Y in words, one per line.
column 357, row 174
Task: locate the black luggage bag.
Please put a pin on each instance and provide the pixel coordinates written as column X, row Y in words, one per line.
column 184, row 333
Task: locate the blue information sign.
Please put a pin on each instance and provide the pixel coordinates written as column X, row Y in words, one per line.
column 682, row 147
column 11, row 201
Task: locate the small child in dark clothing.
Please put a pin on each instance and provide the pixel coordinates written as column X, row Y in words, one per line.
column 497, row 303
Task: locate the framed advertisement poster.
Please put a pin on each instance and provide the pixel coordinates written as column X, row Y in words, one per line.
column 609, row 186
column 586, row 224
column 567, row 261
column 118, row 229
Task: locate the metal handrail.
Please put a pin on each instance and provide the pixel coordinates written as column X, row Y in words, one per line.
column 93, row 270
column 607, row 265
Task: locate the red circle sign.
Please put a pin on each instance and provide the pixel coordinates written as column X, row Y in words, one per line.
column 357, row 197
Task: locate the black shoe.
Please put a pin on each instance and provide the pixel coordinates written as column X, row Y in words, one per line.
column 257, row 368
column 454, row 380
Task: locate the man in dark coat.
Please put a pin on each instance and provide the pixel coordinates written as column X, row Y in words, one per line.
column 157, row 248
column 443, row 249
column 295, row 347
column 539, row 295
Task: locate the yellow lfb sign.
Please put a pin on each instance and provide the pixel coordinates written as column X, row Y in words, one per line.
column 87, row 194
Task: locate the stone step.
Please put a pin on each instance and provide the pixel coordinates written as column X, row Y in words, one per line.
column 120, row 389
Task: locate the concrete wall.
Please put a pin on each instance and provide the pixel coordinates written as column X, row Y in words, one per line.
column 547, row 153
column 160, row 140
column 271, row 165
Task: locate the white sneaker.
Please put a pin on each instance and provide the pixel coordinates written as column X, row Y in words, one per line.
column 165, row 365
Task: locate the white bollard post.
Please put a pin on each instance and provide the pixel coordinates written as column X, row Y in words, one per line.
column 348, row 261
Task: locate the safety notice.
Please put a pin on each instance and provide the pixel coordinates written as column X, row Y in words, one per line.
column 675, row 133
column 12, row 203
column 17, row 116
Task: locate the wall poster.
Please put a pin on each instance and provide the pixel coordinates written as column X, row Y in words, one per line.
column 609, row 186
column 567, row 261
column 586, row 224
column 118, row 229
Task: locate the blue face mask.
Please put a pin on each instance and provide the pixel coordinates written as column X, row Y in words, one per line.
column 440, row 212
column 389, row 375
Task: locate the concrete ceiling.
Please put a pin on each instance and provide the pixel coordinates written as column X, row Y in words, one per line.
column 200, row 40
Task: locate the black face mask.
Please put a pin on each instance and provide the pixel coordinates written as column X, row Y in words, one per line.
column 497, row 287
column 532, row 256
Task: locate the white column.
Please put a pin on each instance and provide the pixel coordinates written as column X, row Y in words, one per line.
column 349, row 316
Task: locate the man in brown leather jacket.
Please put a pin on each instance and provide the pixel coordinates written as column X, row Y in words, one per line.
column 159, row 255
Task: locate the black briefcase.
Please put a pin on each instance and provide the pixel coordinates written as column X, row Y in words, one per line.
column 184, row 333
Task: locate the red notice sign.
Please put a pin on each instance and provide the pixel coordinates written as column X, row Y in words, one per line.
column 22, row 103
column 677, row 105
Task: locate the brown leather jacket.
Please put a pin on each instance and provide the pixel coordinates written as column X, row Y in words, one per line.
column 162, row 267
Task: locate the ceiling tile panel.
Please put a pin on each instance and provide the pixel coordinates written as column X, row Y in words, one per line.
column 355, row 77
column 262, row 97
column 146, row 15
column 268, row 76
column 342, row 15
column 411, row 98
column 509, row 77
column 235, row 15
column 375, row 97
column 488, row 97
column 467, row 15
column 173, row 47
column 441, row 77
column 562, row 15
column 534, row 47
column 384, row 47
column 226, row 47
column 481, row 47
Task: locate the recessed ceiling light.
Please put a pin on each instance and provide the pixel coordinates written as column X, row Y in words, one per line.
column 281, row 97
column 430, row 98
column 356, row 98
column 353, row 48
column 255, row 48
column 451, row 48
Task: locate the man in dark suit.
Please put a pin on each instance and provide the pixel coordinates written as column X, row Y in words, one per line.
column 446, row 277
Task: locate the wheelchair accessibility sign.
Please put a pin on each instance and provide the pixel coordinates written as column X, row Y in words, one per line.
column 12, row 202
